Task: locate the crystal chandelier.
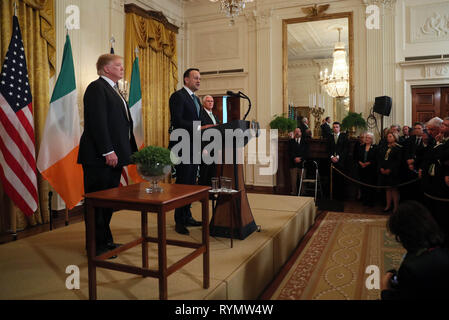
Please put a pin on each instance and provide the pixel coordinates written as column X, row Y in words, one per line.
column 336, row 84
column 232, row 8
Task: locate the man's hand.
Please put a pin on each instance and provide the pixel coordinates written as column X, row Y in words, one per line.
column 334, row 159
column 298, row 159
column 206, row 126
column 446, row 180
column 111, row 159
column 420, row 173
column 385, row 282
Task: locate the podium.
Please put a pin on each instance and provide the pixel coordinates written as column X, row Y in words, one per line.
column 238, row 207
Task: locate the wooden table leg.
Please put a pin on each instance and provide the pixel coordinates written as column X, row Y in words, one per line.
column 162, row 254
column 144, row 227
column 232, row 221
column 205, row 220
column 91, row 252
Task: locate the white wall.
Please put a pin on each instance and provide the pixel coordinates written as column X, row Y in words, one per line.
column 254, row 44
column 422, row 30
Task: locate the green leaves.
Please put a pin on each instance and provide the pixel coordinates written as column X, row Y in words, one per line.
column 353, row 120
column 152, row 156
column 283, row 124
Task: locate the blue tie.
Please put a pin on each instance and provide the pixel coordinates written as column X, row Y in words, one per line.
column 196, row 104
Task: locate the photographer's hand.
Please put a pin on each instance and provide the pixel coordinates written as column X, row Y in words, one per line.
column 385, row 282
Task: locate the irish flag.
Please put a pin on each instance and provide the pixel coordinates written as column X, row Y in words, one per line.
column 135, row 107
column 60, row 142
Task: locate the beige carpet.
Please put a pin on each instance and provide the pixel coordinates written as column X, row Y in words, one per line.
column 332, row 265
column 34, row 267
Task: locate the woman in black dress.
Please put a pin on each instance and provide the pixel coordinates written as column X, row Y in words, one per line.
column 366, row 165
column 390, row 157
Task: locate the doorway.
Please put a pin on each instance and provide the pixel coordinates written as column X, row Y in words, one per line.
column 429, row 102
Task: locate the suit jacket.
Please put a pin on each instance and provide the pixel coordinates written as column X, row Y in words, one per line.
column 326, row 130
column 183, row 113
column 205, row 120
column 371, row 157
column 340, row 149
column 304, row 132
column 106, row 126
column 422, row 276
column 295, row 150
column 434, row 160
column 394, row 159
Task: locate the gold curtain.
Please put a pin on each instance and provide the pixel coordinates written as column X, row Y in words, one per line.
column 36, row 19
column 158, row 72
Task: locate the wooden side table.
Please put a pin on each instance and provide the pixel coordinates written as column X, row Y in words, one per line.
column 134, row 197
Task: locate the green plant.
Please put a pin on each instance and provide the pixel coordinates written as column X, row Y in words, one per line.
column 152, row 160
column 353, row 120
column 283, row 124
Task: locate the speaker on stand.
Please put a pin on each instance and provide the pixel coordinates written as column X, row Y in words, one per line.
column 382, row 106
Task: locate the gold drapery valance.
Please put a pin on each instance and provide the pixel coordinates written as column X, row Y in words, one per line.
column 144, row 31
column 36, row 19
column 158, row 63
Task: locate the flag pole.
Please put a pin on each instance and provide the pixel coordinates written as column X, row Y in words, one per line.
column 66, row 216
column 13, row 212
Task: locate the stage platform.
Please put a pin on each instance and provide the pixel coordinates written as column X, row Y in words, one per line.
column 35, row 267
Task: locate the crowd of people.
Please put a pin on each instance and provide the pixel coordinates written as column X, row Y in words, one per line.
column 407, row 163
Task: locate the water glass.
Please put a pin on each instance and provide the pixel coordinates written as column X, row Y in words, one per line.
column 215, row 184
column 227, row 185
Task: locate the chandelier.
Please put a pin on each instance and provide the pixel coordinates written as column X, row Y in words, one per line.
column 336, row 84
column 232, row 8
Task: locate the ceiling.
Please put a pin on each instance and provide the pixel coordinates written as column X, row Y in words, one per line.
column 316, row 39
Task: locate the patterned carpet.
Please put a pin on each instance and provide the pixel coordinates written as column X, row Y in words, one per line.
column 332, row 264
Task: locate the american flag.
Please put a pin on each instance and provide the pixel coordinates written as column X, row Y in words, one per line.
column 124, row 177
column 17, row 155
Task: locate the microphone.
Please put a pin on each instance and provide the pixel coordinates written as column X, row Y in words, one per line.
column 240, row 95
column 233, row 94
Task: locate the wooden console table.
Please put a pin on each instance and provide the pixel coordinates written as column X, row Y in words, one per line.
column 134, row 197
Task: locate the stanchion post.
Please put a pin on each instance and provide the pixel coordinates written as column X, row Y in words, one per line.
column 66, row 216
column 50, row 195
column 331, row 182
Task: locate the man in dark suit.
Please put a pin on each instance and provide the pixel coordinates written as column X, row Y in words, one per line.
column 107, row 141
column 184, row 110
column 433, row 172
column 207, row 171
column 305, row 130
column 326, row 130
column 297, row 153
column 337, row 146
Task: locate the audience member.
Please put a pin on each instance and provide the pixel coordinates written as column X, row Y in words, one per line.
column 297, row 153
column 423, row 273
column 390, row 158
column 304, row 126
column 367, row 164
column 326, row 130
column 337, row 146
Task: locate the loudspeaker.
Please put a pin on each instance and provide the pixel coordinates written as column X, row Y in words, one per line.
column 382, row 105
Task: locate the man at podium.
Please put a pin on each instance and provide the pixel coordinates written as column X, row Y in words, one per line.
column 184, row 110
